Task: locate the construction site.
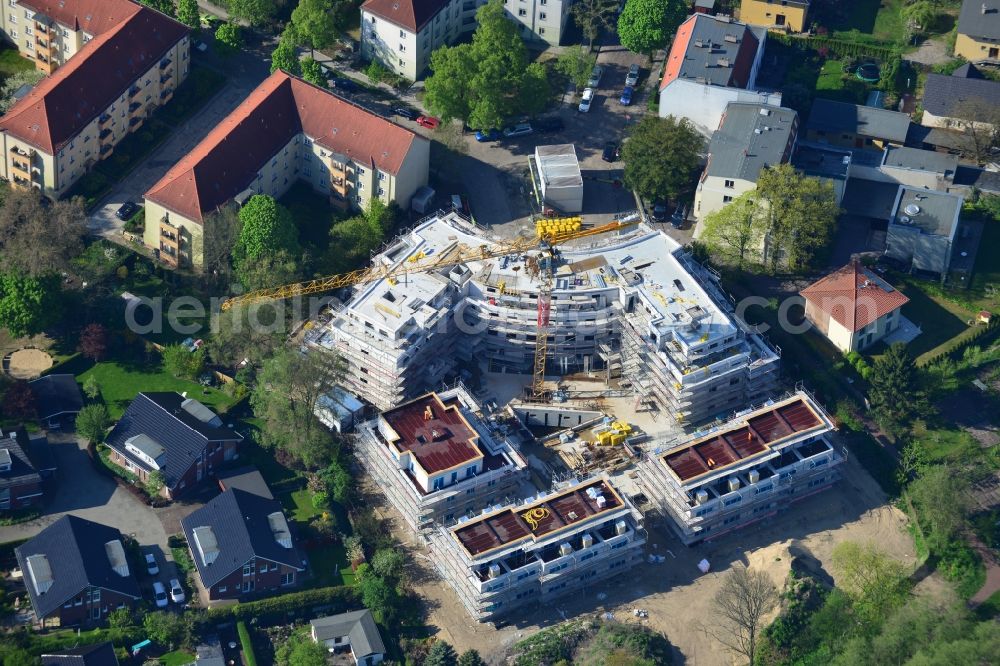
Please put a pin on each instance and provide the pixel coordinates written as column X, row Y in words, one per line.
column 533, row 400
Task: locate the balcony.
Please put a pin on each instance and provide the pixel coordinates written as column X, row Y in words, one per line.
column 106, row 149
column 166, row 77
column 16, row 150
column 21, row 171
column 166, row 95
column 42, row 47
column 103, row 119
column 134, row 90
column 104, row 135
column 165, row 63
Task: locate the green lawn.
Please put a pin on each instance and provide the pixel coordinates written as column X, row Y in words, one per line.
column 299, row 505
column 987, row 268
column 949, row 446
column 121, row 382
column 834, row 84
column 329, row 565
column 889, row 23
column 860, row 15
column 12, row 62
column 176, row 658
column 940, row 321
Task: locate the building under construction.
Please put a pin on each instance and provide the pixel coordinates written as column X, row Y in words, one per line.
column 546, row 547
column 631, row 307
column 747, row 469
column 438, row 458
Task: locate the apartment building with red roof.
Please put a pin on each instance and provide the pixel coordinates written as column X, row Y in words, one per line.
column 286, row 130
column 853, row 307
column 713, row 61
column 110, row 64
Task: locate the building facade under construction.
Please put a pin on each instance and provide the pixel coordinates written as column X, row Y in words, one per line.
column 632, row 308
column 438, row 458
column 546, row 547
column 745, row 470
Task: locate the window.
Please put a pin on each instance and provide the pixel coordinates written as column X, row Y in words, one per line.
column 541, row 16
column 438, row 482
column 402, row 34
column 288, row 578
column 361, row 186
column 522, row 12
column 726, row 199
column 222, row 588
column 402, row 48
column 730, row 184
column 541, row 31
column 247, row 569
column 381, row 191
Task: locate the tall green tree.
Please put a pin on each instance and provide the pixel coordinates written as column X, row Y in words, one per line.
column 593, row 16
column 267, row 227
column 163, row 6
column 92, row 422
column 37, row 236
column 736, row 231
column 471, row 658
column 576, row 62
column 441, row 654
column 801, row 213
column 941, row 497
column 170, row 629
column 15, row 82
column 312, row 72
column 183, row 363
column 285, row 55
column 300, row 650
column 893, row 393
column 188, row 14
column 876, row 583
column 646, row 25
column 255, row 12
column 28, row 304
column 229, row 38
column 315, row 23
column 661, row 157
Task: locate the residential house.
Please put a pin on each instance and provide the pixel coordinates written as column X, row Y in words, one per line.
column 241, row 544
column 286, row 131
column 76, row 572
column 751, row 138
column 853, row 307
column 24, row 465
column 402, row 34
column 713, row 61
column 559, row 543
column 919, row 168
column 175, row 436
column 787, row 15
column 354, row 632
column 438, row 458
column 247, row 479
column 856, row 126
column 964, row 99
column 831, row 165
column 978, row 38
column 756, row 464
column 76, row 116
column 923, row 229
column 57, row 398
column 100, row 654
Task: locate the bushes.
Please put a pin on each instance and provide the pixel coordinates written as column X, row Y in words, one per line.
column 962, row 566
column 841, row 47
column 278, row 609
column 246, row 643
column 858, row 362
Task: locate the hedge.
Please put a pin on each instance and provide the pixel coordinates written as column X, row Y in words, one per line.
column 248, row 654
column 297, row 604
column 841, row 47
column 983, row 337
column 41, row 643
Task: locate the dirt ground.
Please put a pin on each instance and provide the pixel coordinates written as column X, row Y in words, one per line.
column 675, row 594
column 29, row 363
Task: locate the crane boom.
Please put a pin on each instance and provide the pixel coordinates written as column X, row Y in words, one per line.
column 416, row 264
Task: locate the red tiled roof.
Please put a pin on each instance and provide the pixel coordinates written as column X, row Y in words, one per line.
column 91, row 16
column 409, row 14
column 854, row 296
column 761, row 430
column 443, row 441
column 228, row 159
column 67, row 101
column 703, row 28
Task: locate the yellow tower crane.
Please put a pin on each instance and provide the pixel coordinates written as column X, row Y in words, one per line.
column 421, row 263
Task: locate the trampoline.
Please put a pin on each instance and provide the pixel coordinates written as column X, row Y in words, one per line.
column 868, row 72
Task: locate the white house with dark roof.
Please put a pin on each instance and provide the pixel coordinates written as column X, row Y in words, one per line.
column 978, row 38
column 354, row 632
column 954, row 102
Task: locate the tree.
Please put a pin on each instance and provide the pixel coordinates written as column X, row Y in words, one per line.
column 646, row 25
column 535, row 90
column 246, row 332
column 388, row 563
column 741, row 603
column 267, row 271
column 801, row 214
column 576, row 63
column 188, row 13
column 93, row 421
column 941, row 497
column 91, row 388
column 15, row 82
column 661, row 156
column 352, row 241
column 441, row 654
column 155, row 483
column 300, row 650
column 285, row 55
column 736, row 230
column 313, row 72
column 447, row 91
column 315, row 23
column 229, row 36
column 875, row 582
column 893, row 393
column 38, row 237
column 28, row 304
column 255, row 12
column 593, row 16
column 171, row 629
column 121, row 618
column 220, row 233
column 471, row 658
column 183, row 363
column 163, row 6
column 94, row 341
column 377, row 595
column 267, row 228
column 978, row 121
column 19, row 401
column 288, row 386
column 920, row 15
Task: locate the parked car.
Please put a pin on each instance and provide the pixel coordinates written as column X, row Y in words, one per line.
column 633, row 76
column 488, row 135
column 626, row 97
column 595, row 76
column 406, row 112
column 521, row 129
column 430, row 122
column 660, row 211
column 176, row 591
column 610, row 153
column 551, row 124
column 151, row 565
column 126, row 211
column 588, row 97
column 680, row 214
column 159, row 594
